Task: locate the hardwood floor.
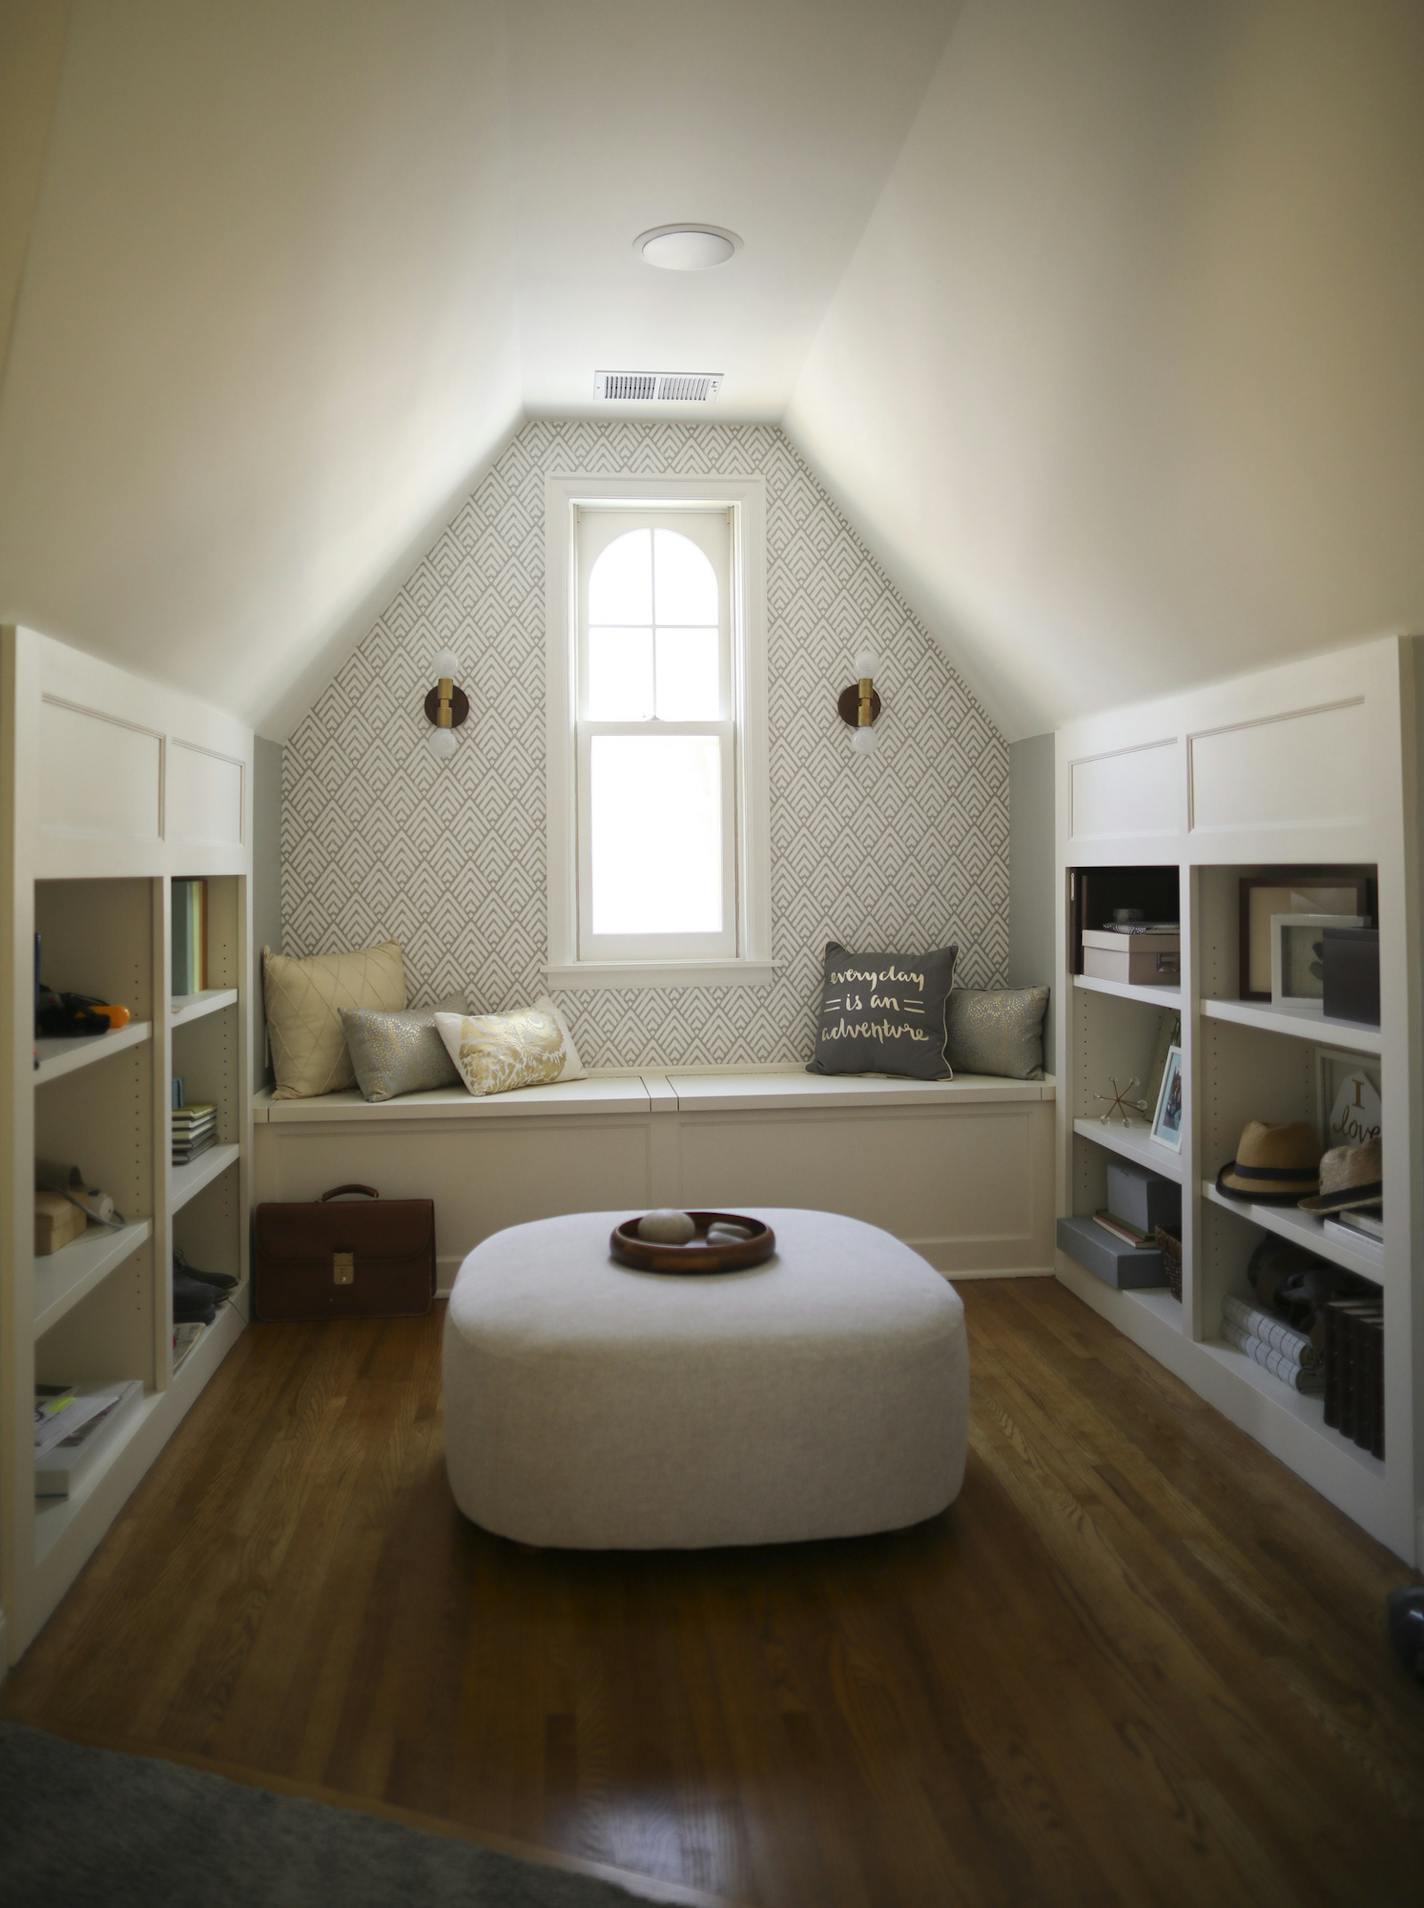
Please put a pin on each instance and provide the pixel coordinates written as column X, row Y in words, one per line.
column 1137, row 1663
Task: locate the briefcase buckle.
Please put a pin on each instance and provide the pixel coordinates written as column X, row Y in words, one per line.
column 343, row 1268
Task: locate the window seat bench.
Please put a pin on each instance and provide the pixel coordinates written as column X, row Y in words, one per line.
column 960, row 1169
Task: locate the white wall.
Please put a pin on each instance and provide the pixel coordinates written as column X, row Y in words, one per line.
column 266, row 880
column 1033, row 883
column 1124, row 380
column 266, row 330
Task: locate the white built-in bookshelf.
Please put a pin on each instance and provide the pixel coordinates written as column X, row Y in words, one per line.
column 1313, row 766
column 113, row 787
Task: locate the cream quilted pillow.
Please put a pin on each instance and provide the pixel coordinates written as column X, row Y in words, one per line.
column 493, row 1053
column 304, row 999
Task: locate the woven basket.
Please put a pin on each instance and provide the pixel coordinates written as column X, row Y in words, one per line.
column 1171, row 1250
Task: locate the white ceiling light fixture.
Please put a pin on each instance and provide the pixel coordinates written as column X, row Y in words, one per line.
column 687, row 248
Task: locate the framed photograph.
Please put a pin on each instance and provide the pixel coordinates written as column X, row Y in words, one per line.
column 1298, row 958
column 1291, row 891
column 1167, row 1121
column 1347, row 1098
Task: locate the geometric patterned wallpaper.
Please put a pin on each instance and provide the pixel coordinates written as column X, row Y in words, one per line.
column 906, row 848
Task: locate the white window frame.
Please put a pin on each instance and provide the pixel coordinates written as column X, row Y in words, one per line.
column 747, row 800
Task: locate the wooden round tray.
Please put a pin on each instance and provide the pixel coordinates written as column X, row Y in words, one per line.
column 696, row 1257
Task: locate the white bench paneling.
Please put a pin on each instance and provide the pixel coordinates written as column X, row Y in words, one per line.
column 962, row 1171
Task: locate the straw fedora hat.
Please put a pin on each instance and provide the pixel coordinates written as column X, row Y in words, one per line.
column 1273, row 1164
column 1350, row 1177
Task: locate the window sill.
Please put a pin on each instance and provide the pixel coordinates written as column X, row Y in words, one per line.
column 587, row 977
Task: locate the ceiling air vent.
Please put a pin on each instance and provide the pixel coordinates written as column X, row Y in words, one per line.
column 657, row 387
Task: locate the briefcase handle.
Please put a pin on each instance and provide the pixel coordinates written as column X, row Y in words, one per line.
column 367, row 1192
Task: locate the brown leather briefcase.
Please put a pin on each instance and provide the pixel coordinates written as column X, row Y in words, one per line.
column 329, row 1258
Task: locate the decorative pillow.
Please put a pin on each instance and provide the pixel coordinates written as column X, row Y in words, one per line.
column 997, row 1030
column 304, row 999
column 494, row 1053
column 399, row 1053
column 884, row 1013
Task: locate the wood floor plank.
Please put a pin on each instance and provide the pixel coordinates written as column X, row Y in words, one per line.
column 1138, row 1661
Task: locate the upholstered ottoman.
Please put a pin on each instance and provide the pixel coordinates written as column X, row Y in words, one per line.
column 823, row 1394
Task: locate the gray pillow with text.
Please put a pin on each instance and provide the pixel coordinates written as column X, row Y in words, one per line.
column 884, row 1013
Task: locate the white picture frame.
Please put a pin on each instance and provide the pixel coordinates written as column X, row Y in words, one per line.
column 1347, row 1098
column 1171, row 1104
column 1293, row 986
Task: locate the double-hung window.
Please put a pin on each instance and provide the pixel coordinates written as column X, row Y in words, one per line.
column 657, row 770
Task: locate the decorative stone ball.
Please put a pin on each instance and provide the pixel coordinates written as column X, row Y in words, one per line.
column 666, row 1228
column 726, row 1232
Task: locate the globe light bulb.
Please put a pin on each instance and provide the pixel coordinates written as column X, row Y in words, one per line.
column 445, row 663
column 441, row 743
column 867, row 663
column 863, row 741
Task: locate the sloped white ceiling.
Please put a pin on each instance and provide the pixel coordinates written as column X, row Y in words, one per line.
column 1125, row 381
column 267, row 327
column 1099, row 316
column 287, row 253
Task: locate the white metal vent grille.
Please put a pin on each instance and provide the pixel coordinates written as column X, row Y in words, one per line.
column 657, row 387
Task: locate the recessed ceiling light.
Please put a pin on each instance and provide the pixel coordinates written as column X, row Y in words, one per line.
column 686, row 248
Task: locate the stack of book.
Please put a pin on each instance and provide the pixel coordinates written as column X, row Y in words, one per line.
column 190, row 936
column 72, row 1424
column 1354, row 1371
column 1291, row 1356
column 1123, row 1230
column 194, row 1130
column 1360, row 1229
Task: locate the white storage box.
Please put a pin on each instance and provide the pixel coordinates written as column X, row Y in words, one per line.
column 1154, row 960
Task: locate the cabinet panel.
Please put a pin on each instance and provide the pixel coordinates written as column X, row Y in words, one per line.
column 204, row 797
column 98, row 778
column 1304, row 769
column 1126, row 793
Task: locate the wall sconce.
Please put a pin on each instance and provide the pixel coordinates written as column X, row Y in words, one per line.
column 445, row 706
column 858, row 704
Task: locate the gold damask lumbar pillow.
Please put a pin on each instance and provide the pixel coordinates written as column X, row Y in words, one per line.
column 303, row 1001
column 494, row 1053
column 997, row 1030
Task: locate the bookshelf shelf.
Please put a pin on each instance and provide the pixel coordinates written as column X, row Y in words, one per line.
column 59, row 1056
column 185, row 1008
column 64, row 1278
column 56, row 1516
column 1159, row 1302
column 186, row 1182
column 1125, row 990
column 1298, row 1022
column 1301, row 1409
column 1132, row 1143
column 1289, row 1223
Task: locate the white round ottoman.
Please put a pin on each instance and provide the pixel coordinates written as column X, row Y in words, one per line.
column 587, row 1406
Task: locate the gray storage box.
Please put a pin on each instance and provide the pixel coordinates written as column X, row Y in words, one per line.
column 1144, row 1199
column 1127, row 1267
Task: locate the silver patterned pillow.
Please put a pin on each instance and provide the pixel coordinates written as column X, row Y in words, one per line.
column 399, row 1053
column 996, row 1030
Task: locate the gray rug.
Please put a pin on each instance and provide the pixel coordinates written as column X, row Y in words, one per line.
column 87, row 1825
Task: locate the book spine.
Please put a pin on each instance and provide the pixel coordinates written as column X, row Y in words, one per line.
column 1332, row 1366
column 1272, row 1330
column 1369, row 1431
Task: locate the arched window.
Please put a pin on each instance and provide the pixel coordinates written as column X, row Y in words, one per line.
column 661, row 813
